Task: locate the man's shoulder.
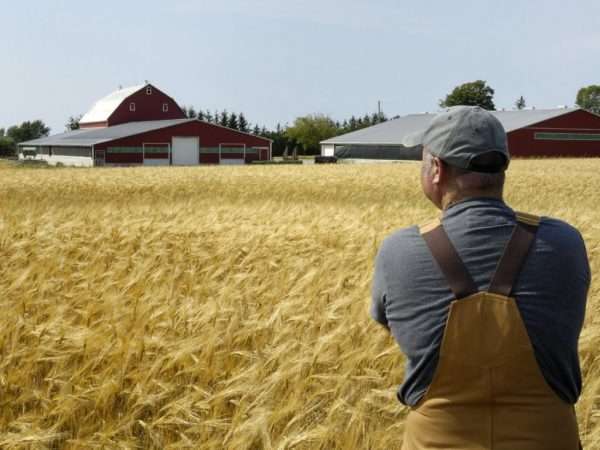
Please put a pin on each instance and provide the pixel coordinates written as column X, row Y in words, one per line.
column 402, row 242
column 560, row 240
column 558, row 231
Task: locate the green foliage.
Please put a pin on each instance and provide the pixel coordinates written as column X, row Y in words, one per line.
column 27, row 131
column 243, row 123
column 73, row 123
column 520, row 103
column 224, row 118
column 232, row 122
column 588, row 97
column 475, row 93
column 310, row 130
column 7, row 146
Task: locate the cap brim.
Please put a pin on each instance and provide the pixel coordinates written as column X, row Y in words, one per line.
column 413, row 139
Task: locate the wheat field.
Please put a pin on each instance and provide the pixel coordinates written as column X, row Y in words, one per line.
column 225, row 307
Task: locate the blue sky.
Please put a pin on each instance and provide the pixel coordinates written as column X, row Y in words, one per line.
column 276, row 60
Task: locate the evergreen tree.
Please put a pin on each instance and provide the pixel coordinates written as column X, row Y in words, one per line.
column 208, row 116
column 367, row 121
column 256, row 130
column 191, row 112
column 352, row 123
column 233, row 121
column 243, row 123
column 224, row 119
column 200, row 115
column 520, row 103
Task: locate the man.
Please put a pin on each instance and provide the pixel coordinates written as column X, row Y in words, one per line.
column 486, row 304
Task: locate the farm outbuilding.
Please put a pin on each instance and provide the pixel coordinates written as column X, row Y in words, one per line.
column 567, row 132
column 143, row 126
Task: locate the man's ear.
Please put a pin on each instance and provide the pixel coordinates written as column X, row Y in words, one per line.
column 438, row 170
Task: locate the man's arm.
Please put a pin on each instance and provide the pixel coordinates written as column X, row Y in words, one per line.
column 378, row 291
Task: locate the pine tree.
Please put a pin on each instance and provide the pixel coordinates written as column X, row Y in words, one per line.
column 243, row 123
column 352, row 123
column 520, row 103
column 233, row 121
column 224, row 119
column 256, row 130
column 367, row 121
column 200, row 115
column 191, row 113
column 208, row 116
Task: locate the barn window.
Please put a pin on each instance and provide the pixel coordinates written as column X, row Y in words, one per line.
column 165, row 107
column 132, row 106
column 567, row 136
column 149, row 90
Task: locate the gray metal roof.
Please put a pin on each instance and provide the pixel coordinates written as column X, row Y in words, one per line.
column 87, row 137
column 393, row 131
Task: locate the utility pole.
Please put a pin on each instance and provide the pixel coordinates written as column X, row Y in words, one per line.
column 379, row 108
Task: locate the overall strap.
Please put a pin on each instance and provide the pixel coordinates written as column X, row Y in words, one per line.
column 514, row 254
column 444, row 253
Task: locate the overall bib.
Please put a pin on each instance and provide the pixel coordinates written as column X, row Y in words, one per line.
column 488, row 391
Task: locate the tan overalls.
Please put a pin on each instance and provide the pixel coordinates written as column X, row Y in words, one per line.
column 488, row 391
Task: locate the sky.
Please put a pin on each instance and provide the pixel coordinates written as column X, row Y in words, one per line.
column 277, row 60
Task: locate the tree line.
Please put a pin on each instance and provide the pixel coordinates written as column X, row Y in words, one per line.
column 304, row 135
column 9, row 138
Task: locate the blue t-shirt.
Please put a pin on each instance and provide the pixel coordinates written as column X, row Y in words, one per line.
column 411, row 296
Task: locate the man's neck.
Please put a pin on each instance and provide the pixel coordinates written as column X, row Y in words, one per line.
column 450, row 198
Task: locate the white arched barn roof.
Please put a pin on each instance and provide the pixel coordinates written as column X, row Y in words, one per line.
column 104, row 107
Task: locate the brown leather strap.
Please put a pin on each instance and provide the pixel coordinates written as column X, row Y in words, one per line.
column 512, row 259
column 452, row 267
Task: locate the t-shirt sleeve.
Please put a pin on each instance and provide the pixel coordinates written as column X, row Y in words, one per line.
column 378, row 291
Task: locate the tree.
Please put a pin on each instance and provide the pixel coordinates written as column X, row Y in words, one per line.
column 7, row 145
column 208, row 116
column 520, row 103
column 73, row 123
column 191, row 113
column 243, row 123
column 352, row 123
column 28, row 131
column 475, row 93
column 588, row 98
column 310, row 130
column 233, row 121
column 224, row 118
column 256, row 130
column 200, row 115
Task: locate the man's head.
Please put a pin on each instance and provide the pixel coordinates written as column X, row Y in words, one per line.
column 465, row 154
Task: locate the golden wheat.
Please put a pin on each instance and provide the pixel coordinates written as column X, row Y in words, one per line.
column 225, row 307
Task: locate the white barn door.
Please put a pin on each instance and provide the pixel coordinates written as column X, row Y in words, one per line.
column 185, row 151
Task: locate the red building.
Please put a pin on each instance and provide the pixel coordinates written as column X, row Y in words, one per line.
column 564, row 132
column 143, row 125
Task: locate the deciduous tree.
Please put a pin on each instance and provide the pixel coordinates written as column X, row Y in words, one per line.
column 475, row 93
column 588, row 97
column 310, row 130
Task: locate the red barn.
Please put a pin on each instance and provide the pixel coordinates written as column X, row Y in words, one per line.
column 142, row 125
column 565, row 132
